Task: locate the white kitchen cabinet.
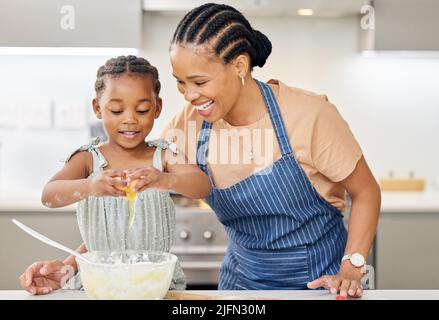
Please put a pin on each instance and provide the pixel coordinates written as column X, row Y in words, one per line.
column 18, row 249
column 76, row 23
column 407, row 250
column 402, row 25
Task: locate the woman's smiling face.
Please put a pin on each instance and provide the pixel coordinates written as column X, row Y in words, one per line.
column 205, row 82
column 128, row 106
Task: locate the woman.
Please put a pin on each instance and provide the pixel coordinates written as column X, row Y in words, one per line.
column 284, row 222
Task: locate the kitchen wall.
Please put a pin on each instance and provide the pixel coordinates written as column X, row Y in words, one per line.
column 390, row 103
column 34, row 92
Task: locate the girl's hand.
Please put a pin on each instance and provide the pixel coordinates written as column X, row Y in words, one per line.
column 43, row 277
column 108, row 183
column 347, row 281
column 149, row 177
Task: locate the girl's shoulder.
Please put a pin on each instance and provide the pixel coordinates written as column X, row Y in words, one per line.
column 163, row 144
column 165, row 150
column 82, row 159
column 85, row 149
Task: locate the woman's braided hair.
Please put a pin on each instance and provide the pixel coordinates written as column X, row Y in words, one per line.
column 118, row 66
column 226, row 29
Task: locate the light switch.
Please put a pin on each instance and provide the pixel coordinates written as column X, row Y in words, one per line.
column 34, row 113
column 69, row 114
column 9, row 114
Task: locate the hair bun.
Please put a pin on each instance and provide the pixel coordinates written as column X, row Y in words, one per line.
column 262, row 47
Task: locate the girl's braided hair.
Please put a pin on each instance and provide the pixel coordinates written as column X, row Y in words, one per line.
column 115, row 67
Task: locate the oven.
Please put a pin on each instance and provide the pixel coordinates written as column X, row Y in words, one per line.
column 200, row 243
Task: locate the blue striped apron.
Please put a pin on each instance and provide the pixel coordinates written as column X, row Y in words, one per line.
column 282, row 233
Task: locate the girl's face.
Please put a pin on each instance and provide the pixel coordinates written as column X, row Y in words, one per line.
column 128, row 106
column 209, row 85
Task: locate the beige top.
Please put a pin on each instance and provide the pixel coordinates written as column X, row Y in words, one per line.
column 321, row 141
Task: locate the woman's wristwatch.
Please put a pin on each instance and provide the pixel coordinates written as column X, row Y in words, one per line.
column 357, row 260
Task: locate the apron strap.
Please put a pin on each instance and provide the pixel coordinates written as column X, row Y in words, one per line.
column 202, row 148
column 276, row 118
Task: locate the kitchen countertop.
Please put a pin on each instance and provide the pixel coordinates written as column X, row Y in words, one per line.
column 391, row 202
column 30, row 202
column 410, row 202
column 239, row 295
column 27, row 201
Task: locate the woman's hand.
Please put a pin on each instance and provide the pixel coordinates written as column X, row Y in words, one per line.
column 108, row 183
column 148, row 177
column 43, row 277
column 347, row 281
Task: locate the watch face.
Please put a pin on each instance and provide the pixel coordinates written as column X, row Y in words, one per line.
column 357, row 260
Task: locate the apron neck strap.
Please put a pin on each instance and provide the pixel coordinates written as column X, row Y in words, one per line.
column 276, row 118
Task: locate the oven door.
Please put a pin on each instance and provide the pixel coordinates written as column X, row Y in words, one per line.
column 201, row 265
column 200, row 244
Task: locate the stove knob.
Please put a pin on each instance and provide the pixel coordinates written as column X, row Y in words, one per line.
column 208, row 235
column 184, row 235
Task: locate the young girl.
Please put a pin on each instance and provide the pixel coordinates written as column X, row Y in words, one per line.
column 127, row 100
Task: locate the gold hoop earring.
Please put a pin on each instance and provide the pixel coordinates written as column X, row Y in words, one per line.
column 242, row 80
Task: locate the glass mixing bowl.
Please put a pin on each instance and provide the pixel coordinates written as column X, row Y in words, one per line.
column 126, row 274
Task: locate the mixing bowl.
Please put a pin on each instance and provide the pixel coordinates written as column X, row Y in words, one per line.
column 126, row 274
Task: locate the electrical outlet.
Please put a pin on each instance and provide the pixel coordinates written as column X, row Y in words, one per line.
column 69, row 114
column 34, row 113
column 9, row 114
